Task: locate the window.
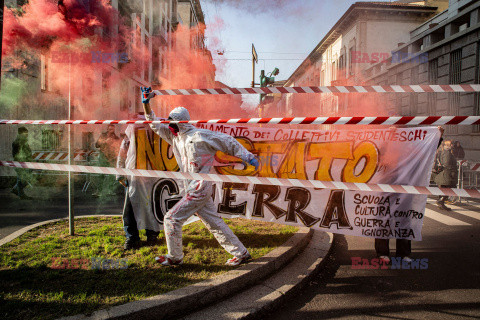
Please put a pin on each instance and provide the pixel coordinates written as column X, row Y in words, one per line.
column 398, row 96
column 87, row 140
column 432, row 79
column 413, row 96
column 105, row 89
column 147, row 61
column 124, row 100
column 43, row 72
column 341, row 67
column 156, row 64
column 147, row 23
column 455, row 78
column 334, row 71
column 476, row 111
column 456, row 67
column 50, row 140
column 350, row 61
column 138, row 106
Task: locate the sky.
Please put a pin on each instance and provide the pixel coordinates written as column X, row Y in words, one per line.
column 283, row 32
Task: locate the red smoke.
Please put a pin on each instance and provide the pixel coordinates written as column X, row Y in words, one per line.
column 44, row 22
column 192, row 68
column 70, row 32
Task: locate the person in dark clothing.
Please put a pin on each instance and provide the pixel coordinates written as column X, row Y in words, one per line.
column 135, row 187
column 403, row 246
column 21, row 152
column 109, row 144
column 458, row 151
column 448, row 173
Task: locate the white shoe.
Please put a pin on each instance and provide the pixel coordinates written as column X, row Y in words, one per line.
column 166, row 261
column 385, row 258
column 407, row 259
column 235, row 261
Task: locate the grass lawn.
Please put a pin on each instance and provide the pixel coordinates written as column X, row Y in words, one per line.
column 31, row 287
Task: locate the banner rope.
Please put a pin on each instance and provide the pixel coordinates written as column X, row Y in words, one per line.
column 351, row 186
column 412, row 121
column 324, row 89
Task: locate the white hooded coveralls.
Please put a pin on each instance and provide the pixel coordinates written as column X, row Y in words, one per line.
column 194, row 150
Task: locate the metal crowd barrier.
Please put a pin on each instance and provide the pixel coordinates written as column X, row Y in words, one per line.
column 81, row 157
column 468, row 176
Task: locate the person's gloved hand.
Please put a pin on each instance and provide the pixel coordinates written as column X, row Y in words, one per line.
column 254, row 162
column 146, row 94
column 123, row 181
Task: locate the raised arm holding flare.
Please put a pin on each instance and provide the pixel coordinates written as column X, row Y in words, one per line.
column 194, row 150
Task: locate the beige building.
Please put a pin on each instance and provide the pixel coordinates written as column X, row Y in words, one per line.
column 366, row 33
column 451, row 43
column 190, row 14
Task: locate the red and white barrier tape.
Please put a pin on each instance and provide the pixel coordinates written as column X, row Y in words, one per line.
column 62, row 156
column 473, row 193
column 425, row 120
column 324, row 89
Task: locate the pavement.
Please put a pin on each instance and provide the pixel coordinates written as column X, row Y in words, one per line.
column 448, row 289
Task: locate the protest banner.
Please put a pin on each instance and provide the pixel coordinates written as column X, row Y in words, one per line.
column 384, row 156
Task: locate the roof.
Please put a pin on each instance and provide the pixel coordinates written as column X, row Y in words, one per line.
column 397, row 4
column 333, row 33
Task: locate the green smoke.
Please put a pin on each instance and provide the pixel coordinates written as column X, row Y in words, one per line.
column 12, row 91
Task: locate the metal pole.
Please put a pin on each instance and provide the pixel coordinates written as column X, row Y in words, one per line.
column 253, row 72
column 71, row 146
column 2, row 4
column 460, row 179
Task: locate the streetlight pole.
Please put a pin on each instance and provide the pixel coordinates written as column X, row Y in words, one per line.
column 2, row 4
column 254, row 60
column 71, row 155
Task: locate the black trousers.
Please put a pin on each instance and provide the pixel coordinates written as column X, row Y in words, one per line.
column 130, row 224
column 442, row 199
column 404, row 247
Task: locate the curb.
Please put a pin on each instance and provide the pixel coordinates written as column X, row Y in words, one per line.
column 286, row 291
column 193, row 297
column 257, row 301
column 20, row 232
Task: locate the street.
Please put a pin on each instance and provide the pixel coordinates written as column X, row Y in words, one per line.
column 50, row 203
column 448, row 289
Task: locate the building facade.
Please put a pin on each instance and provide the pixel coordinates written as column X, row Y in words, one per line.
column 365, row 34
column 450, row 41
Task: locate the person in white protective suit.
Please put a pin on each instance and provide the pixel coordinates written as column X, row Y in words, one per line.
column 194, row 150
column 137, row 211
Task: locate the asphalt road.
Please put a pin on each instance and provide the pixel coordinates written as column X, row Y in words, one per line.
column 448, row 289
column 50, row 203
